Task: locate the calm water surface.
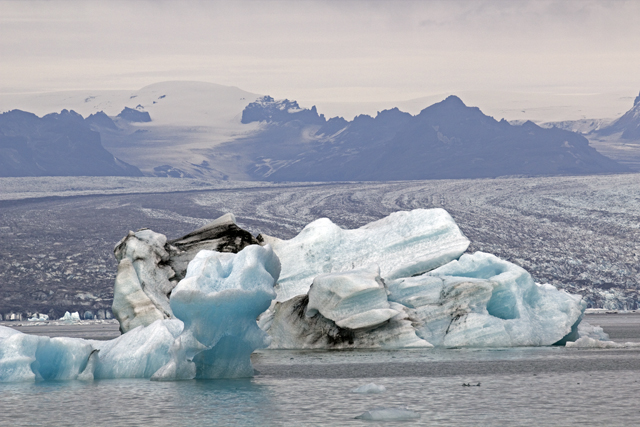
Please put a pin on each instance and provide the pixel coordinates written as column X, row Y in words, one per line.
column 522, row 386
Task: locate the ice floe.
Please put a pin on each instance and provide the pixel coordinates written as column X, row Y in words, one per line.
column 587, row 342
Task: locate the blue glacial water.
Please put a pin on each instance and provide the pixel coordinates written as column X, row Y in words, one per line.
column 522, row 386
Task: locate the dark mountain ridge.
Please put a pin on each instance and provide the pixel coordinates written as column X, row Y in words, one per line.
column 58, row 144
column 445, row 140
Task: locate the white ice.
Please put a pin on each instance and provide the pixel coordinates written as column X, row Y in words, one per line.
column 402, row 244
column 38, row 317
column 143, row 280
column 71, row 317
column 585, row 329
column 370, row 388
column 587, row 342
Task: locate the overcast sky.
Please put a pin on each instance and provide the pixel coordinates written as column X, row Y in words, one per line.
column 323, row 50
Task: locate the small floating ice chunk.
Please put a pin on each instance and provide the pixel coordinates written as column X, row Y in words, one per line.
column 38, row 317
column 585, row 329
column 370, row 388
column 71, row 317
column 586, row 342
column 388, row 414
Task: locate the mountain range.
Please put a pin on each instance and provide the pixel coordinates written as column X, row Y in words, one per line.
column 191, row 129
column 58, row 144
column 445, row 140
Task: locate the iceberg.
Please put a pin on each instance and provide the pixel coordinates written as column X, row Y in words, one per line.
column 198, row 306
column 71, row 317
column 150, row 266
column 478, row 300
column 354, row 299
column 219, row 301
column 402, row 244
column 30, row 357
column 212, row 336
column 481, row 300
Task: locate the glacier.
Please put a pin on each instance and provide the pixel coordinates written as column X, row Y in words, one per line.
column 197, row 307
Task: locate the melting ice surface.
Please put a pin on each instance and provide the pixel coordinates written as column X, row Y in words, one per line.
column 215, row 332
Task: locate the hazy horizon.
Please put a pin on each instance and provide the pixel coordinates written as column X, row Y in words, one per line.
column 324, row 51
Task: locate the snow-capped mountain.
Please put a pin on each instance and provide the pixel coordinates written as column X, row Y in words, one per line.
column 620, row 139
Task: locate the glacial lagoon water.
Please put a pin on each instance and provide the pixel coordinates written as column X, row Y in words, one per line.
column 518, row 386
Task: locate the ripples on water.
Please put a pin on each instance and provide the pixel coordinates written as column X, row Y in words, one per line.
column 530, row 386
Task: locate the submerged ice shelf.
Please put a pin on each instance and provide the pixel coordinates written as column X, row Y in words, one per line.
column 188, row 308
